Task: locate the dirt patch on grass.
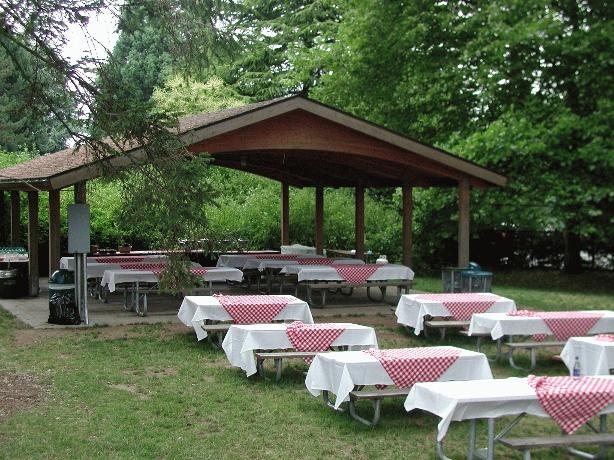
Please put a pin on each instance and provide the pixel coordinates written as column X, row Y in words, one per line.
column 19, row 392
column 29, row 337
column 130, row 388
column 155, row 372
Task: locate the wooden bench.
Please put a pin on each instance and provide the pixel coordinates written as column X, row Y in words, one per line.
column 325, row 286
column 531, row 346
column 218, row 331
column 527, row 444
column 442, row 325
column 277, row 357
column 376, row 397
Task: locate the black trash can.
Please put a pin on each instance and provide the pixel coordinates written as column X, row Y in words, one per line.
column 8, row 283
column 62, row 305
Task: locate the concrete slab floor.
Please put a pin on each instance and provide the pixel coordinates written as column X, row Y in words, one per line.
column 162, row 308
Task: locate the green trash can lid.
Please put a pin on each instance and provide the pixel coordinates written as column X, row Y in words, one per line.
column 62, row 276
column 475, row 273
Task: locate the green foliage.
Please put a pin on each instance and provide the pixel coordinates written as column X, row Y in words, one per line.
column 25, row 121
column 524, row 88
column 283, row 45
column 183, row 96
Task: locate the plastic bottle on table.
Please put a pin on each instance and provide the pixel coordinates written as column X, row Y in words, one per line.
column 576, row 371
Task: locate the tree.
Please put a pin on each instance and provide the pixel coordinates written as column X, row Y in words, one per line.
column 522, row 87
column 283, row 44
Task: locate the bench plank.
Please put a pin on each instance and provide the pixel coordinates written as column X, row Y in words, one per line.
column 215, row 327
column 379, row 394
column 557, row 441
column 534, row 344
column 286, row 354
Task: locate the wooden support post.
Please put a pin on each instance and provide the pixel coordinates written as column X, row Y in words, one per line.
column 15, row 213
column 33, row 286
column 285, row 214
column 408, row 204
column 319, row 219
column 3, row 221
column 359, row 220
column 54, row 230
column 463, row 222
column 80, row 192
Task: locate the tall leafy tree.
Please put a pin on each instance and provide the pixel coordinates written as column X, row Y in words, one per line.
column 25, row 119
column 283, row 43
column 524, row 87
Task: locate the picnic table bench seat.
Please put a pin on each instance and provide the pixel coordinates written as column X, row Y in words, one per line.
column 277, row 357
column 530, row 443
column 532, row 347
column 325, row 286
column 443, row 325
column 376, row 397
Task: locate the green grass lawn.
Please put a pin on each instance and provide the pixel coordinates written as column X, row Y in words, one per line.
column 152, row 391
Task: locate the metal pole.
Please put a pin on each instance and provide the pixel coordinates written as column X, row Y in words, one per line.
column 81, row 285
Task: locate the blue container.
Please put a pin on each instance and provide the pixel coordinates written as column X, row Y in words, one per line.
column 476, row 281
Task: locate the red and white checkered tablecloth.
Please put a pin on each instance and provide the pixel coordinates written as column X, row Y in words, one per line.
column 142, row 266
column 118, row 260
column 312, row 337
column 406, row 366
column 569, row 324
column 252, row 309
column 195, row 271
column 605, row 337
column 463, row 306
column 356, row 273
column 315, row 261
column 521, row 313
column 572, row 402
column 562, row 324
column 274, row 256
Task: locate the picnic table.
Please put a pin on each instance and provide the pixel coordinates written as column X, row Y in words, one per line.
column 243, row 339
column 340, row 372
column 525, row 324
column 196, row 310
column 596, row 354
column 482, row 399
column 350, row 275
column 412, row 309
column 240, row 260
column 139, row 282
column 501, row 324
column 68, row 263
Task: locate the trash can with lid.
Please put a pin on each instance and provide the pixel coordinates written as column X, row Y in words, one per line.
column 451, row 277
column 476, row 281
column 62, row 305
column 8, row 283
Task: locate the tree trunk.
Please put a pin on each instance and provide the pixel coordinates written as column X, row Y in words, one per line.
column 573, row 262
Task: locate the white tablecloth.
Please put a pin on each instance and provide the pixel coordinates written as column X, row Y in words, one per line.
column 338, row 372
column 596, row 356
column 112, row 278
column 411, row 309
column 327, row 273
column 500, row 324
column 237, row 260
column 298, row 249
column 264, row 264
column 68, row 263
column 241, row 341
column 195, row 310
column 14, row 257
column 456, row 401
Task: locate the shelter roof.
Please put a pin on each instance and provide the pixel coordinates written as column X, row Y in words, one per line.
column 291, row 139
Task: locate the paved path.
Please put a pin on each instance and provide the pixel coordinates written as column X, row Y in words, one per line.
column 34, row 311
